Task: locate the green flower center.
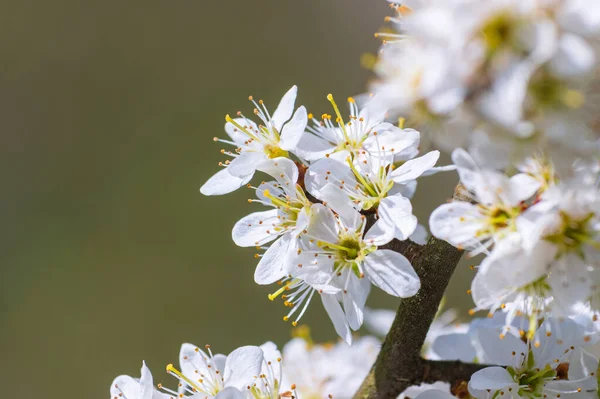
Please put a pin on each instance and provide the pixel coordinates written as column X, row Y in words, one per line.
column 351, row 248
column 274, row 151
column 573, row 234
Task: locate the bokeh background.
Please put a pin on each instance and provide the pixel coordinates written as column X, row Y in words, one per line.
column 108, row 252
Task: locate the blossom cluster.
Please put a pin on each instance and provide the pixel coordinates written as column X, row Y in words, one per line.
column 507, row 88
column 539, row 232
column 340, row 191
column 554, row 362
column 302, row 369
column 501, row 77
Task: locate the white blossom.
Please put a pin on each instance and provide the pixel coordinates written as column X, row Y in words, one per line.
column 354, row 261
column 318, row 371
column 275, row 137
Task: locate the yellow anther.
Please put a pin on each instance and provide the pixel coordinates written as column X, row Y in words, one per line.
column 310, row 115
column 350, row 100
column 277, row 293
column 401, row 122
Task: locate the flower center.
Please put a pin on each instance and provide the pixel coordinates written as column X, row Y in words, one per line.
column 573, row 234
column 349, row 248
column 498, row 32
column 548, row 91
column 532, row 380
column 273, row 151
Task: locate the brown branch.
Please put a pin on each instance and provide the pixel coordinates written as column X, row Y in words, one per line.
column 399, row 364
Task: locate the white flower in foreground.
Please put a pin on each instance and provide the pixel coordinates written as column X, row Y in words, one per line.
column 532, row 366
column 213, row 375
column 318, row 371
column 268, row 384
column 290, row 216
column 498, row 201
column 354, row 262
column 126, row 387
column 255, row 144
column 370, row 182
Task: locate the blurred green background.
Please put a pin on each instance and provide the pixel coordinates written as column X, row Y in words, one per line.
column 109, row 254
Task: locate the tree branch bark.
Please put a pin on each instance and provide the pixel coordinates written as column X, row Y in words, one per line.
column 399, row 364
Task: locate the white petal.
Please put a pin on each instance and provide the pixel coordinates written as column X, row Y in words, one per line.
column 434, row 394
column 302, row 221
column 235, row 134
column 293, row 130
column 420, row 236
column 379, row 321
column 397, row 211
column 338, row 200
column 285, row 108
column 189, row 356
column 564, row 333
column 242, row 365
column 380, row 233
column 510, row 267
column 354, row 300
column 127, row 386
column 313, row 148
column 323, row 225
column 522, row 187
column 284, row 170
column 392, row 272
column 454, row 346
column 574, row 57
column 228, row 393
column 245, row 163
column 493, row 378
column 582, row 364
column 146, row 384
column 323, row 172
column 497, row 350
column 579, row 389
column 256, row 229
column 337, row 316
column 404, row 143
column 467, row 168
column 315, row 271
column 223, row 182
column 270, row 351
column 414, row 168
column 273, row 263
column 457, row 223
